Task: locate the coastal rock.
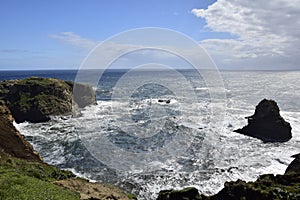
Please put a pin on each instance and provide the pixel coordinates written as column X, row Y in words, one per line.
column 83, row 95
column 167, row 101
column 190, row 193
column 267, row 124
column 35, row 99
column 266, row 187
column 11, row 140
column 294, row 167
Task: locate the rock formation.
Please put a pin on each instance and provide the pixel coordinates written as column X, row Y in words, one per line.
column 267, row 124
column 36, row 99
column 294, row 167
column 11, row 141
column 190, row 193
column 266, row 187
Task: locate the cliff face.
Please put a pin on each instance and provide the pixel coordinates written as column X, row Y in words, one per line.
column 36, row 99
column 11, row 141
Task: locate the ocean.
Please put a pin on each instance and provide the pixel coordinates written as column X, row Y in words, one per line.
column 146, row 137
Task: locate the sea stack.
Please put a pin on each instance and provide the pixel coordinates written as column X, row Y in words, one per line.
column 267, row 124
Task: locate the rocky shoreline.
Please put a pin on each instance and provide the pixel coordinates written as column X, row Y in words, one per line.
column 24, row 175
column 266, row 187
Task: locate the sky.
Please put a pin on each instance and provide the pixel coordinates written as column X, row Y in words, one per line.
column 237, row 34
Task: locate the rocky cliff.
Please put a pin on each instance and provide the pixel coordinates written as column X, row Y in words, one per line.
column 11, row 140
column 36, row 99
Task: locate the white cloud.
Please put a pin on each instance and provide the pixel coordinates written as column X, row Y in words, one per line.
column 135, row 53
column 74, row 40
column 266, row 32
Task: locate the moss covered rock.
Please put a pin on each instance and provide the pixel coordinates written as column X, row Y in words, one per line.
column 35, row 99
column 189, row 193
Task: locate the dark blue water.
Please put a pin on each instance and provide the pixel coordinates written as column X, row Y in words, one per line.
column 60, row 74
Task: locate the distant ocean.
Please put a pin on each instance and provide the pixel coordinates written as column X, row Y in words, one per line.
column 205, row 164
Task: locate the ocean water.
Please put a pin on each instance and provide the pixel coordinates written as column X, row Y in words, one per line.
column 142, row 156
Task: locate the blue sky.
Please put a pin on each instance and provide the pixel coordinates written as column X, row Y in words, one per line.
column 59, row 34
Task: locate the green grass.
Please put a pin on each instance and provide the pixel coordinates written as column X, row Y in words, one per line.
column 44, row 82
column 131, row 196
column 22, row 180
column 16, row 186
column 33, row 169
column 25, row 101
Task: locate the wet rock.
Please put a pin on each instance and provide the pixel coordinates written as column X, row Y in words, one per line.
column 167, row 101
column 267, row 124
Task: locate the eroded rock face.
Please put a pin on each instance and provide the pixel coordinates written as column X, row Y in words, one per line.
column 36, row 99
column 267, row 124
column 11, row 141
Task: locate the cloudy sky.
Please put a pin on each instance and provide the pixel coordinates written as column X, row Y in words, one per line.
column 237, row 34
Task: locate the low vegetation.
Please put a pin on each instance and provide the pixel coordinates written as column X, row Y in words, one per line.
column 20, row 179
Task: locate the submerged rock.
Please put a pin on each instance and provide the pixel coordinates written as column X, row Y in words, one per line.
column 267, row 124
column 35, row 99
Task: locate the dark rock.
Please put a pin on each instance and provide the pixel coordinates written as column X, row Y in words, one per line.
column 11, row 140
column 36, row 99
column 190, row 193
column 294, row 167
column 267, row 124
column 266, row 187
column 164, row 101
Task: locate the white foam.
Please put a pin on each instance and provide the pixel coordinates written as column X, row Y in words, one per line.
column 249, row 156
